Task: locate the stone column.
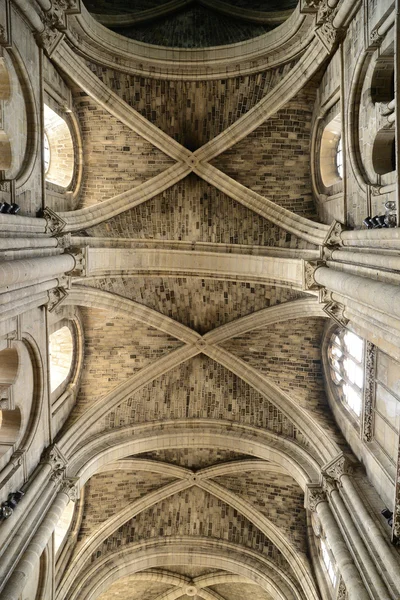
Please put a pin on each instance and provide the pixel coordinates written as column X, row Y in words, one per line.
column 18, row 528
column 384, row 297
column 376, row 539
column 18, row 271
column 317, row 501
column 30, row 558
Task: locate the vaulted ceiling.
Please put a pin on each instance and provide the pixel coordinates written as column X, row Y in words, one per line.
column 197, row 507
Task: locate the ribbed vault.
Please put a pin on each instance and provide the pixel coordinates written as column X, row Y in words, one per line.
column 201, row 416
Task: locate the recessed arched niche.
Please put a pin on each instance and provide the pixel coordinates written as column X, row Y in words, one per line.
column 384, row 152
column 382, row 82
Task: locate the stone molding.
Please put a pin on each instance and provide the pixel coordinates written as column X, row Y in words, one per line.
column 143, row 59
column 81, row 259
column 369, row 391
column 54, row 457
column 220, row 554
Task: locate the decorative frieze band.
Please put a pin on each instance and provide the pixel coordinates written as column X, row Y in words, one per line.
column 369, row 391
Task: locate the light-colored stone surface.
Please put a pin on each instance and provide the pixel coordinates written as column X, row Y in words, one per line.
column 193, row 258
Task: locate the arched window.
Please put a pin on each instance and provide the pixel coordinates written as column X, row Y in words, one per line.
column 60, row 154
column 61, row 349
column 331, row 153
column 339, row 158
column 346, row 354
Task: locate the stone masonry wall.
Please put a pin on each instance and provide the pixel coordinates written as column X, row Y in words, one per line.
column 274, row 160
column 115, row 349
column 277, row 497
column 200, row 388
column 192, row 112
column 116, row 158
column 201, row 304
column 196, row 513
column 108, row 493
column 192, row 210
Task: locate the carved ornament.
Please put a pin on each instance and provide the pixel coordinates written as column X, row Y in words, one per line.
column 324, row 296
column 369, row 391
column 396, row 512
column 309, row 6
column 55, row 458
column 54, row 223
column 309, row 268
column 70, row 487
column 64, row 241
column 335, row 311
column 375, row 39
column 337, row 467
column 342, row 590
column 315, row 495
column 333, row 237
column 55, row 23
column 80, row 256
column 56, row 296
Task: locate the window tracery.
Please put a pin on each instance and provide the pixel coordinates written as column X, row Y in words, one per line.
column 346, row 354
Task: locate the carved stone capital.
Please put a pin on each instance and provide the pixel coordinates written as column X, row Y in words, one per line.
column 56, row 296
column 337, row 467
column 315, row 495
column 324, row 11
column 80, row 256
column 55, row 458
column 333, row 237
column 369, row 391
column 375, row 39
column 54, row 223
column 64, row 241
column 335, row 311
column 342, row 590
column 70, row 487
column 17, row 458
column 55, row 23
column 329, row 485
column 324, row 296
column 309, row 268
column 309, row 6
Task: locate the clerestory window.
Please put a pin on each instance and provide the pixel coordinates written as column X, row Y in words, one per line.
column 346, row 356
